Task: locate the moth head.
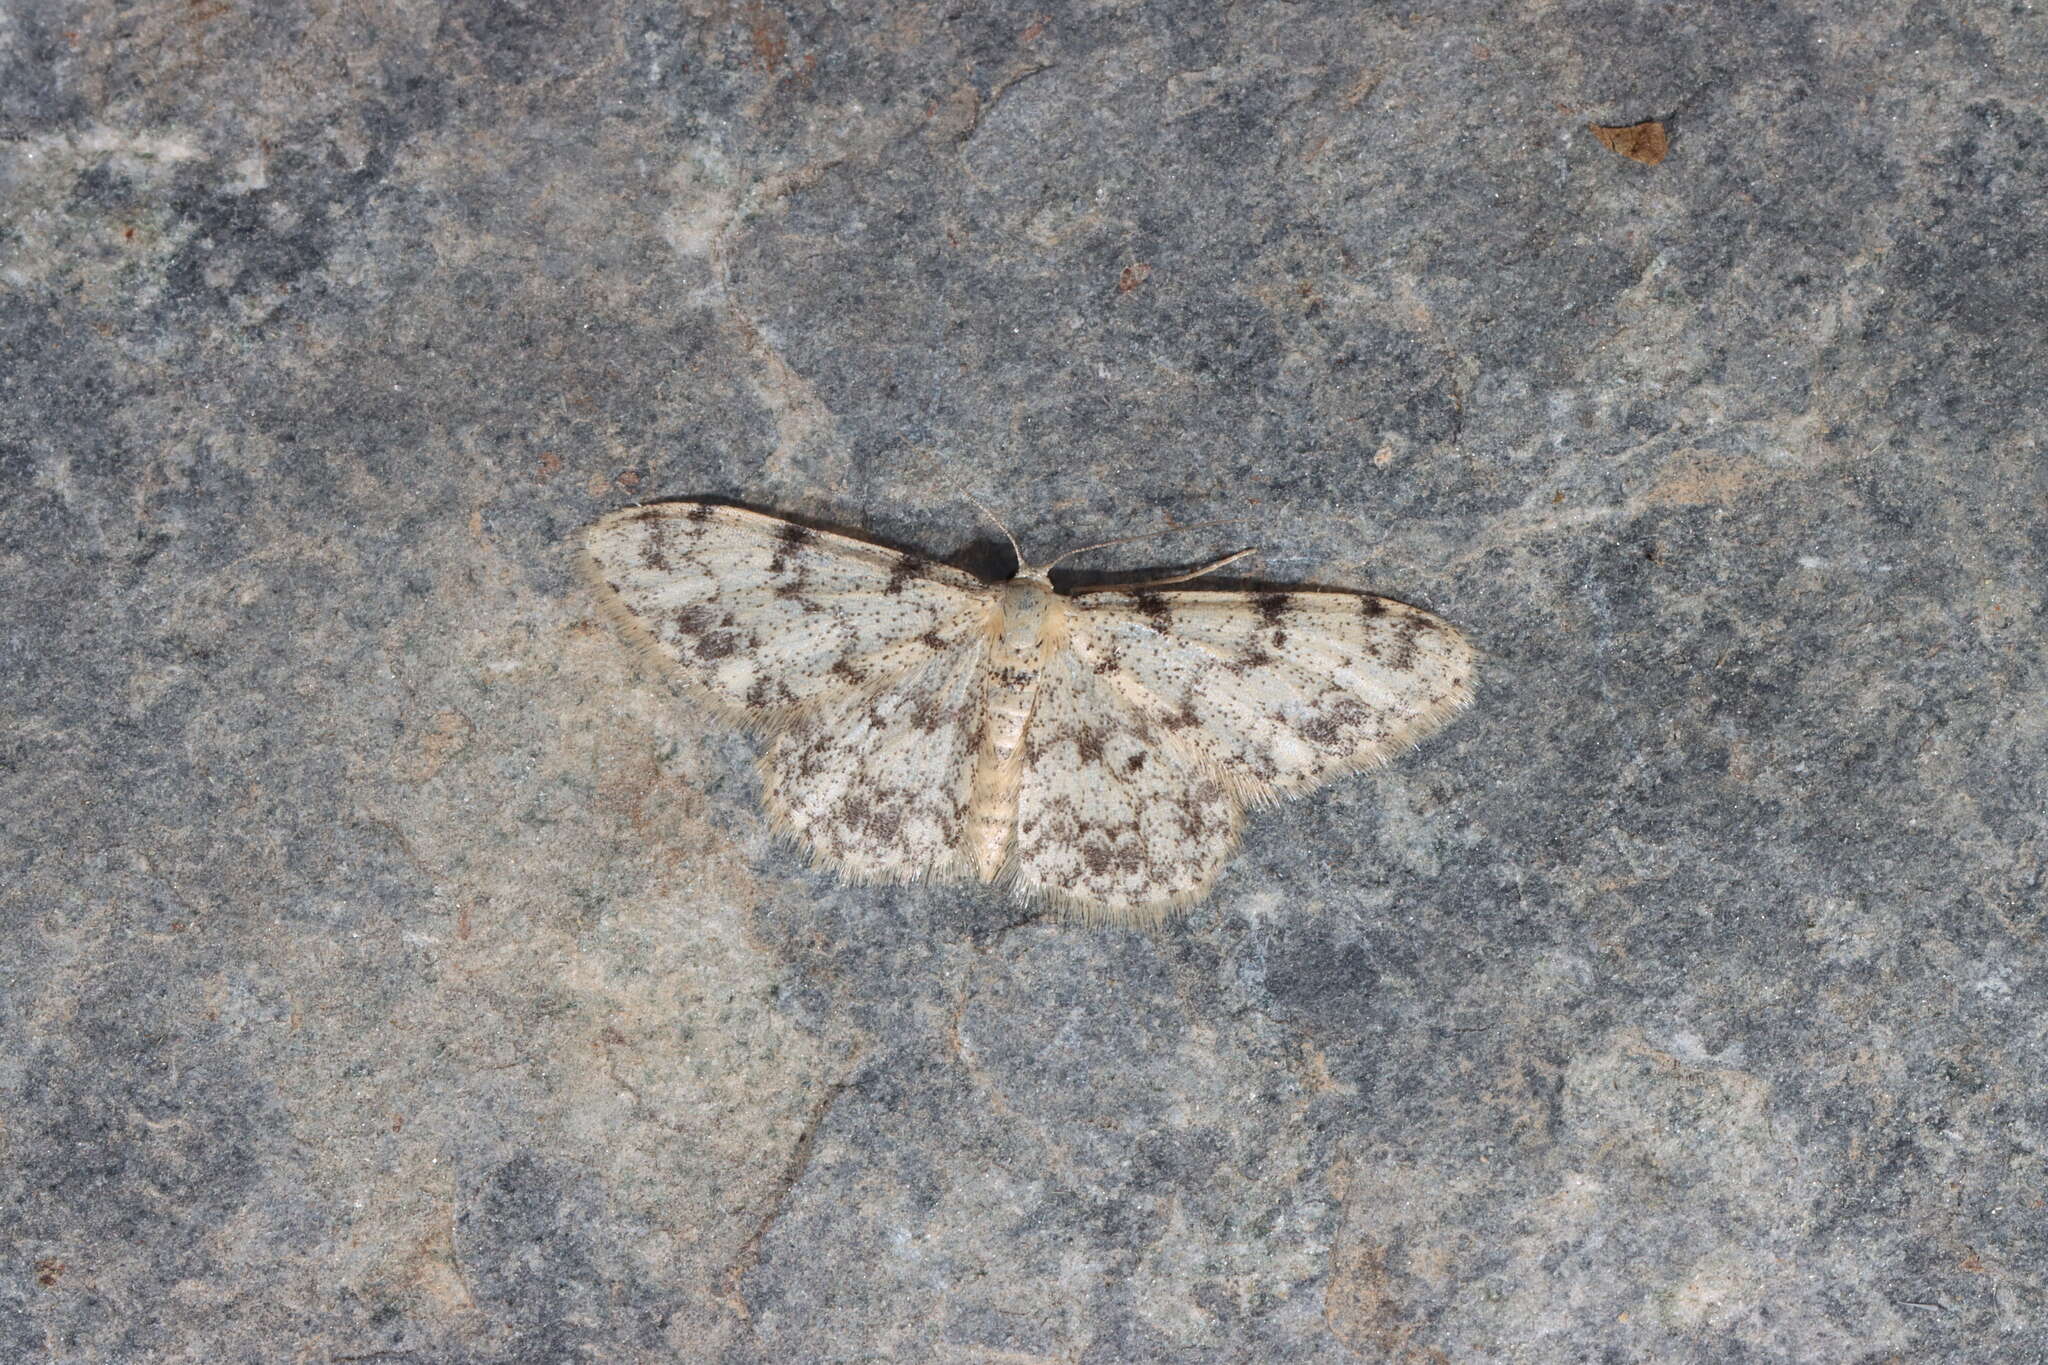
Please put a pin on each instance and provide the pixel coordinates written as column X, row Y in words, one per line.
column 1041, row 574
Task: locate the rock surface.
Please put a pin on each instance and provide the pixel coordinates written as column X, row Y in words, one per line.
column 398, row 969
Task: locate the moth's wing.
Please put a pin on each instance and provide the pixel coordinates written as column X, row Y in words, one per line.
column 1275, row 691
column 768, row 617
column 878, row 784
column 1111, row 823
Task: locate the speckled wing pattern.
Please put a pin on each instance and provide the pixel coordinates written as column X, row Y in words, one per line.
column 1112, row 822
column 768, row 617
column 894, row 689
column 1166, row 712
column 879, row 785
column 1276, row 691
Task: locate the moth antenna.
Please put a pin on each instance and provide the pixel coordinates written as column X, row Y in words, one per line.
column 1162, row 582
column 931, row 462
column 1015, row 548
column 1147, row 535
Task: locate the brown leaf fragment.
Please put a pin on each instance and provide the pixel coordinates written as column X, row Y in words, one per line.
column 1644, row 142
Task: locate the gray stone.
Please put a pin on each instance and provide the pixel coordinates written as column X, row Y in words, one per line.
column 399, row 969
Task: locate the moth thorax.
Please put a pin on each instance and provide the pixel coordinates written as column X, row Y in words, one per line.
column 1029, row 609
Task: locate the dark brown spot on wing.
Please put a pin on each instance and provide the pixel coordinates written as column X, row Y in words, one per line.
column 1193, row 811
column 717, row 644
column 1088, row 741
column 810, row 756
column 690, row 622
column 1338, row 727
column 1272, row 606
column 1158, row 613
column 884, row 823
column 1319, row 730
column 700, row 511
column 906, row 569
column 791, row 539
column 1370, row 607
column 1404, row 643
column 848, row 672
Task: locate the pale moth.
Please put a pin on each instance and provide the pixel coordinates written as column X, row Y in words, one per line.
column 1094, row 750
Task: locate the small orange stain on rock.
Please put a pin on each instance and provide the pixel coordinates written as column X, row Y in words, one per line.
column 431, row 746
column 550, row 465
column 1644, row 142
column 48, row 1271
column 1133, row 276
column 770, row 36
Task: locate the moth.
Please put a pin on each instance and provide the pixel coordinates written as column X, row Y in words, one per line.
column 1095, row 749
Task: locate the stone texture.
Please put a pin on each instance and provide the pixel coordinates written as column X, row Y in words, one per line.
column 396, row 969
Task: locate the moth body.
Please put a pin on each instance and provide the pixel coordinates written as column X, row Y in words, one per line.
column 1026, row 626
